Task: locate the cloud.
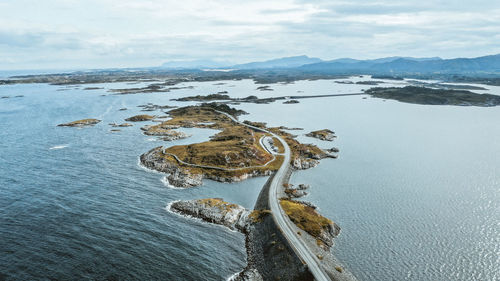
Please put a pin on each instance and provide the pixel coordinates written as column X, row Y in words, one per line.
column 100, row 33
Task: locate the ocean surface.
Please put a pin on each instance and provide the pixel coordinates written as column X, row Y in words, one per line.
column 416, row 188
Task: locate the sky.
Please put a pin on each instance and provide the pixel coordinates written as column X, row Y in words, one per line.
column 76, row 34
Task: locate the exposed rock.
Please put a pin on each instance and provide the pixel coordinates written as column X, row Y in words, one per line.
column 139, row 118
column 81, row 123
column 122, row 109
column 290, row 129
column 251, row 274
column 333, row 149
column 215, row 210
column 325, row 135
column 303, row 186
column 296, row 192
column 182, row 178
column 121, row 125
column 165, row 131
column 291, row 102
column 300, row 163
column 265, row 88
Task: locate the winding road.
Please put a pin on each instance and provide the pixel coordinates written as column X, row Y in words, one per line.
column 279, row 216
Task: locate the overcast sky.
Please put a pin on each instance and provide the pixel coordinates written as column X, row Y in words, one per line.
column 74, row 34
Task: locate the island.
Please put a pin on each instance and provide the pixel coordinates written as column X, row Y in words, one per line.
column 140, row 118
column 81, row 123
column 325, row 135
column 234, row 154
column 429, row 96
column 165, row 131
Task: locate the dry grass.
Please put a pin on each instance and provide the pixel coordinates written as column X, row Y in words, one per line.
column 305, row 217
column 258, row 215
column 235, row 147
column 142, row 117
column 277, row 143
column 217, row 202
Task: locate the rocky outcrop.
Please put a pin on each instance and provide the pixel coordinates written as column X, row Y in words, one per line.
column 296, row 191
column 121, row 125
column 81, row 123
column 215, row 210
column 181, row 178
column 177, row 176
column 139, row 118
column 165, row 131
column 301, row 163
column 325, row 135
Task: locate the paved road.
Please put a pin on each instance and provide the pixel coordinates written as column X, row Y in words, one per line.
column 279, row 216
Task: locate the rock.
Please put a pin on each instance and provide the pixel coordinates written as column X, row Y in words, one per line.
column 303, row 186
column 248, row 275
column 296, row 192
column 165, row 131
column 333, row 149
column 81, row 123
column 265, row 88
column 180, row 178
column 325, row 135
column 139, row 118
column 300, row 163
column 122, row 109
column 215, row 210
column 120, row 125
column 290, row 102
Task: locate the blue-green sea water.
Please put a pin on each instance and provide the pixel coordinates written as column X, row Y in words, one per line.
column 416, row 189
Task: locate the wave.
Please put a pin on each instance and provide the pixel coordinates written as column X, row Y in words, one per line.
column 59, row 147
column 163, row 179
column 165, row 182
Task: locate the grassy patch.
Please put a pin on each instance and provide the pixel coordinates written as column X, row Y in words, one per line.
column 258, row 215
column 219, row 203
column 305, row 217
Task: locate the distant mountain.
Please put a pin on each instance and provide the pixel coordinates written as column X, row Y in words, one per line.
column 382, row 60
column 288, row 62
column 194, row 64
column 395, row 65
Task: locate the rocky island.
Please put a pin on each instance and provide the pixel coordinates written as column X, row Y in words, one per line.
column 165, row 131
column 234, row 154
column 140, row 118
column 429, row 96
column 81, row 123
column 325, row 135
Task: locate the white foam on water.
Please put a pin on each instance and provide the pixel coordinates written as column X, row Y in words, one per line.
column 231, row 278
column 165, row 182
column 59, row 147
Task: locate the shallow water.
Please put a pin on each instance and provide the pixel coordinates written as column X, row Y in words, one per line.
column 415, row 189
